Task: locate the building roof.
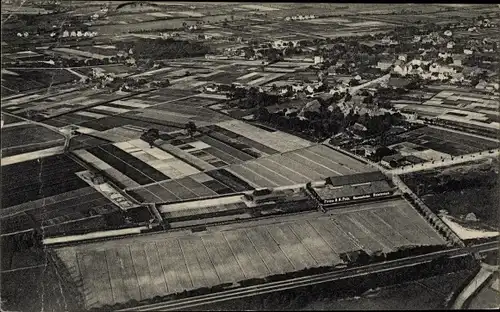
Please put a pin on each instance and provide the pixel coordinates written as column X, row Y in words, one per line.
column 356, row 178
column 395, row 157
column 358, row 127
column 398, row 82
column 313, row 106
column 414, row 159
column 329, row 191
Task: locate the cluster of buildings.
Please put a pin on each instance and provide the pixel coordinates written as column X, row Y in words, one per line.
column 351, row 188
column 300, row 17
column 78, row 33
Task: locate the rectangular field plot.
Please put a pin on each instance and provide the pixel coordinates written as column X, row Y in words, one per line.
column 52, row 212
column 111, row 122
column 230, row 136
column 157, row 158
column 183, row 189
column 170, row 262
column 36, row 179
column 28, row 138
column 448, row 142
column 278, row 140
column 182, row 113
column 313, row 163
column 129, row 168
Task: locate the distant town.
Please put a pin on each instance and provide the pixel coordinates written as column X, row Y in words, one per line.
column 219, row 156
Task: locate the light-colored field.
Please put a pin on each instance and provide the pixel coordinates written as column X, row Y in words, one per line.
column 263, row 80
column 32, row 155
column 278, row 140
column 159, row 14
column 431, row 155
column 212, row 96
column 246, row 76
column 326, row 20
column 296, row 167
column 90, row 114
column 188, row 13
column 101, row 165
column 81, row 53
column 179, row 153
column 181, row 118
column 201, row 203
column 258, row 7
column 132, row 103
column 491, row 125
column 366, row 23
column 157, row 158
column 107, row 47
column 152, row 72
column 143, row 266
column 111, row 109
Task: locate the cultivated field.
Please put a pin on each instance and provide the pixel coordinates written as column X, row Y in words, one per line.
column 31, row 79
column 178, row 110
column 278, row 140
column 36, row 179
column 158, row 264
column 52, row 210
column 28, row 138
column 448, row 142
column 109, row 107
column 296, row 167
column 192, row 187
column 243, row 143
column 126, row 168
column 66, row 108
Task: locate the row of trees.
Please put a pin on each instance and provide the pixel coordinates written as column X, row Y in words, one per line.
column 153, row 134
column 72, row 62
column 252, row 97
column 164, row 49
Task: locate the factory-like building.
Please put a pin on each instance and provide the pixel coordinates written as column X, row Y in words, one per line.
column 350, row 188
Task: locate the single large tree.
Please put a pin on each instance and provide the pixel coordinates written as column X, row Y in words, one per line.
column 191, row 128
column 150, row 136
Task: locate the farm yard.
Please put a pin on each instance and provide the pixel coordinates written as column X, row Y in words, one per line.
column 166, row 263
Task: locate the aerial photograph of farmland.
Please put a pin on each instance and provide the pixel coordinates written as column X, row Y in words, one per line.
column 162, row 155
